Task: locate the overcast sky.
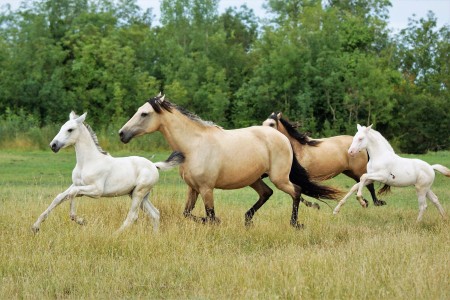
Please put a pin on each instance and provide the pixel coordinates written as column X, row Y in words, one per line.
column 400, row 11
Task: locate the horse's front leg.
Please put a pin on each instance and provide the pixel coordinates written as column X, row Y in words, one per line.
column 191, row 200
column 73, row 214
column 57, row 201
column 208, row 200
column 369, row 178
column 364, row 180
column 342, row 202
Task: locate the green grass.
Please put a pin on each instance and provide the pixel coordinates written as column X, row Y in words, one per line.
column 378, row 252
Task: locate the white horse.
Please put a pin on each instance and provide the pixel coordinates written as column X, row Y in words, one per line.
column 97, row 174
column 387, row 167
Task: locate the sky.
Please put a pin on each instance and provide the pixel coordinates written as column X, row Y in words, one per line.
column 400, row 11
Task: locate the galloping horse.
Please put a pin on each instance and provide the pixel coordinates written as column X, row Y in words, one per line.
column 225, row 159
column 324, row 158
column 387, row 167
column 98, row 174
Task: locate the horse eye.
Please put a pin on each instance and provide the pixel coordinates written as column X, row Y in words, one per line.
column 144, row 115
column 70, row 130
column 272, row 125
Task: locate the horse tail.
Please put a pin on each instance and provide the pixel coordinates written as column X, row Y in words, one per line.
column 175, row 159
column 441, row 169
column 300, row 177
column 384, row 190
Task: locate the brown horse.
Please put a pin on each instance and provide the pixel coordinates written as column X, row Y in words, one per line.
column 225, row 159
column 324, row 158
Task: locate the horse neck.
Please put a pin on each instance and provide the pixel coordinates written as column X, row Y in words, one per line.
column 294, row 142
column 377, row 146
column 180, row 132
column 85, row 148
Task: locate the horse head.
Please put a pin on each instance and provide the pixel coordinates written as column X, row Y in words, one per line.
column 272, row 120
column 359, row 140
column 145, row 120
column 69, row 132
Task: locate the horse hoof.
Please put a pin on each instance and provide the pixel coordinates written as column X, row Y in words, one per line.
column 212, row 221
column 248, row 223
column 298, row 225
column 81, row 221
column 35, row 229
column 316, row 206
column 379, row 203
column 367, row 203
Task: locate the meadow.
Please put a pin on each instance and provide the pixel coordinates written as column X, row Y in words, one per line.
column 373, row 253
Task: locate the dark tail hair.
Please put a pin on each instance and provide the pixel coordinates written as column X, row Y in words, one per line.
column 176, row 158
column 384, row 190
column 300, row 177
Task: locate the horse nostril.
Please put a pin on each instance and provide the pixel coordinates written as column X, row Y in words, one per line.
column 121, row 134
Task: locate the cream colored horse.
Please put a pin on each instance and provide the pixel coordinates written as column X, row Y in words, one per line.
column 324, row 158
column 225, row 159
column 98, row 174
column 387, row 167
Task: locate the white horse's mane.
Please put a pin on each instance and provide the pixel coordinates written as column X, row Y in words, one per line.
column 381, row 139
column 95, row 138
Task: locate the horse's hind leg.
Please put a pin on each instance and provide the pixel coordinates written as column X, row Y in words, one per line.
column 421, row 197
column 152, row 211
column 264, row 192
column 434, row 199
column 136, row 199
column 295, row 192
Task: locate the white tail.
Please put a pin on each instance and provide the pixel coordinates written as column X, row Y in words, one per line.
column 442, row 169
column 175, row 159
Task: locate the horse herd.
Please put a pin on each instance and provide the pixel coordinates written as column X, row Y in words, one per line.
column 210, row 157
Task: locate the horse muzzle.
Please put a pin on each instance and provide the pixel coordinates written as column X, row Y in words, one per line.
column 125, row 136
column 55, row 146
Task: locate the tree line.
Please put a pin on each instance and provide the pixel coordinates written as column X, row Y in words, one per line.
column 326, row 64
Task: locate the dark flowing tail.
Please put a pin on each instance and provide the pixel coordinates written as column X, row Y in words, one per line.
column 300, row 177
column 175, row 159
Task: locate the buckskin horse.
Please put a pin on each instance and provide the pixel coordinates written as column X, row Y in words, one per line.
column 324, row 158
column 225, row 159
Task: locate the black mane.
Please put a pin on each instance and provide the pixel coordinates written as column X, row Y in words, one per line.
column 302, row 138
column 166, row 105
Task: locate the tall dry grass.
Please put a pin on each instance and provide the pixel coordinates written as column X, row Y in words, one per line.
column 379, row 252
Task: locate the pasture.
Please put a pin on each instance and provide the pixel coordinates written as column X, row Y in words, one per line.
column 378, row 252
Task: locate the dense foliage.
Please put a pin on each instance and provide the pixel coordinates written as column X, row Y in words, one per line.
column 328, row 65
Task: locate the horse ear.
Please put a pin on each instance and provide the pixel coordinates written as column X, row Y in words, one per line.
column 369, row 127
column 159, row 95
column 72, row 115
column 358, row 126
column 162, row 99
column 279, row 115
column 82, row 118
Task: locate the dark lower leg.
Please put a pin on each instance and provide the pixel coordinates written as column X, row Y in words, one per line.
column 192, row 196
column 376, row 201
column 264, row 193
column 294, row 216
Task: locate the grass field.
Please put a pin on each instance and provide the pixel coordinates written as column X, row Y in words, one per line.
column 373, row 253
